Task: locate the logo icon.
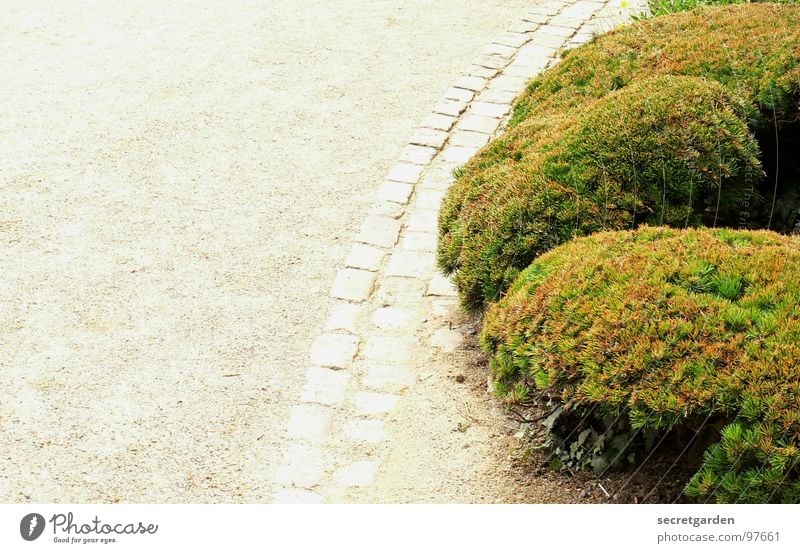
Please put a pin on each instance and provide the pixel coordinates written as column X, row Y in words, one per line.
column 31, row 526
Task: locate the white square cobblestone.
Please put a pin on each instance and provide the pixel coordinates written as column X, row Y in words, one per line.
column 371, row 431
column 359, row 474
column 523, row 26
column 301, row 466
column 536, row 18
column 400, row 291
column 479, row 123
column 452, row 108
column 407, row 263
column 353, row 284
column 325, row 386
column 374, row 403
column 429, row 137
column 388, row 209
column 389, row 378
column 511, row 84
column 459, row 94
column 480, row 71
column 526, row 69
column 493, row 61
column 388, row 349
column 470, row 83
column 334, row 350
column 420, row 241
column 441, row 286
column 437, row 121
column 494, row 49
column 392, row 318
column 309, row 422
column 364, row 256
column 459, row 154
column 556, row 30
column 424, row 220
column 497, row 96
column 398, row 192
column 379, row 231
column 489, row 109
column 514, row 40
column 473, row 139
column 567, row 21
column 344, row 316
column 421, row 155
column 429, row 199
column 405, row 172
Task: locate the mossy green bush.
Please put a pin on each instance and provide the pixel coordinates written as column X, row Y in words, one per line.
column 663, row 7
column 560, row 170
column 666, row 330
column 647, row 153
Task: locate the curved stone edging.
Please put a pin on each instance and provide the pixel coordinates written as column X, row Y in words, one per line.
column 364, row 359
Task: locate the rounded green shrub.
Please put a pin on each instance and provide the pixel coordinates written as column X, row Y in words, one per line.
column 667, row 331
column 654, row 151
column 560, row 170
column 751, row 49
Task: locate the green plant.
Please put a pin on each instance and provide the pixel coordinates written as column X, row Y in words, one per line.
column 658, row 331
column 663, row 7
column 561, row 171
column 649, row 152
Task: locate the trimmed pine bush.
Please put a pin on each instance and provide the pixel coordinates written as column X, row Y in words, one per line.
column 694, row 331
column 649, row 152
column 561, row 171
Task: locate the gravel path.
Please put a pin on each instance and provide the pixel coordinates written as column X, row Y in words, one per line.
column 178, row 185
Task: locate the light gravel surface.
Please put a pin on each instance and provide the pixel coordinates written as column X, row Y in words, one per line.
column 179, row 182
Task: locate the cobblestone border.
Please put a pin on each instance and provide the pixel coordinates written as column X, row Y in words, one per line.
column 363, row 360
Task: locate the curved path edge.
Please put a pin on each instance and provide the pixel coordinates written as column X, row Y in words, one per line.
column 371, row 350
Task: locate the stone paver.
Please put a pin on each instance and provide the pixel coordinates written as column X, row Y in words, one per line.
column 417, row 154
column 405, row 172
column 452, row 108
column 388, row 349
column 344, row 316
column 438, row 121
column 419, row 241
column 459, row 154
column 429, row 137
column 353, row 284
column 460, row 94
column 374, row 403
column 447, row 339
column 360, row 473
column 364, row 256
column 389, row 283
column 398, row 192
column 470, row 83
column 441, row 286
column 325, row 386
column 389, row 378
column 393, row 318
column 478, row 123
column 379, row 231
column 334, row 350
column 311, row 423
column 371, row 431
column 302, row 466
column 489, row 109
column 424, row 220
column 387, row 209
